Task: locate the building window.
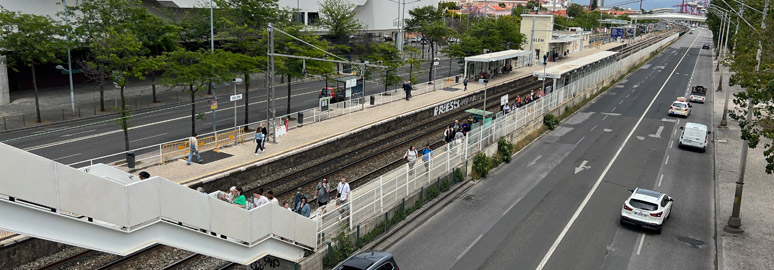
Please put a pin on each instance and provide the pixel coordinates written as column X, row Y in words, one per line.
column 313, row 18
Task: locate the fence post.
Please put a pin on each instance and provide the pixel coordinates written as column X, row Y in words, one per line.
column 161, row 156
column 407, row 179
column 422, row 194
column 381, row 194
column 357, row 237
column 386, row 221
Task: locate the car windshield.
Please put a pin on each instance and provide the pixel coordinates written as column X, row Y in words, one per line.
column 696, row 133
column 678, row 105
column 643, row 205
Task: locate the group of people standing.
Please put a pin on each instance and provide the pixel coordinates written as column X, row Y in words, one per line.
column 519, row 101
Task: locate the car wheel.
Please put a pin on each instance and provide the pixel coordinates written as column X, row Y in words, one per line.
column 704, row 149
column 658, row 229
column 621, row 221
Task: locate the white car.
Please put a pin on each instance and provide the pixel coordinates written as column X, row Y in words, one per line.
column 646, row 208
column 694, row 136
column 680, row 108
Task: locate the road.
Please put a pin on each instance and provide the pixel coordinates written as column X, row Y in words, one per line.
column 92, row 138
column 557, row 205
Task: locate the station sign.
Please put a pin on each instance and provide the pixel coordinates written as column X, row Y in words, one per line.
column 236, row 97
column 504, row 100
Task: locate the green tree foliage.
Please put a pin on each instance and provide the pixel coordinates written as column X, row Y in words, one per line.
column 428, row 21
column 575, row 10
column 386, row 54
column 297, row 68
column 338, row 16
column 493, row 33
column 29, row 40
column 757, row 83
column 195, row 70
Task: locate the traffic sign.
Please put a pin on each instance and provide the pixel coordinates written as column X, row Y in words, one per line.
column 236, row 97
column 436, row 63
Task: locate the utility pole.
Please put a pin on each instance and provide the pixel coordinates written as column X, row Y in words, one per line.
column 720, row 39
column 270, row 112
column 212, row 50
column 724, row 52
column 734, row 221
column 723, row 121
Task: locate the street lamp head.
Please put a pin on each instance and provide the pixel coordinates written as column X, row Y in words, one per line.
column 60, row 67
column 237, row 80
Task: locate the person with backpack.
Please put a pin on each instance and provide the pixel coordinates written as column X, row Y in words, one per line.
column 465, row 83
column 411, row 157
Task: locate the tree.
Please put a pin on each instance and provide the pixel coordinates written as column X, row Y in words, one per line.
column 339, row 16
column 428, row 21
column 298, row 68
column 121, row 53
column 386, row 54
column 575, row 11
column 29, row 40
column 195, row 70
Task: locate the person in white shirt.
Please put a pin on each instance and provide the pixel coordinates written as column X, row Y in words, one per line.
column 271, row 198
column 194, row 149
column 344, row 192
column 259, row 199
column 411, row 157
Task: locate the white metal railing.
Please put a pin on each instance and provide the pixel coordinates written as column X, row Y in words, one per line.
column 386, row 192
column 154, row 154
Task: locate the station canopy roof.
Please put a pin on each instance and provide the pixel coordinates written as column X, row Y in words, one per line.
column 496, row 56
column 557, row 71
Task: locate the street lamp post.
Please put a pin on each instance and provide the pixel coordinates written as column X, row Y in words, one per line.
column 213, row 107
column 69, row 61
column 723, row 53
column 236, row 81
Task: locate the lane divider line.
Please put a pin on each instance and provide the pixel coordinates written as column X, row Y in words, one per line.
column 642, row 239
column 607, row 168
column 470, row 246
column 660, row 179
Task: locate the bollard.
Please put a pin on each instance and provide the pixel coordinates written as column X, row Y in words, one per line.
column 357, row 237
column 386, row 221
column 329, row 249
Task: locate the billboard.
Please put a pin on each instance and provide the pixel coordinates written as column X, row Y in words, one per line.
column 616, row 32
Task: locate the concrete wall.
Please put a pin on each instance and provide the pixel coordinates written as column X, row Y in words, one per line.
column 544, row 25
column 17, row 254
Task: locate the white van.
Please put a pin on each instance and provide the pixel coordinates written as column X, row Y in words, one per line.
column 694, row 136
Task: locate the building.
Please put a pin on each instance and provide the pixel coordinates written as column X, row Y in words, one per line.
column 543, row 39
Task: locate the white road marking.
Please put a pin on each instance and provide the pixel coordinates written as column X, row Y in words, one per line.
column 620, row 102
column 582, row 167
column 613, row 109
column 612, row 114
column 641, row 138
column 671, row 143
column 678, row 121
column 579, row 141
column 668, row 120
column 674, row 132
column 154, row 136
column 511, row 207
column 607, row 168
column 603, row 118
column 595, row 126
column 73, row 134
column 532, row 163
column 667, row 160
column 607, row 130
column 660, row 179
column 627, row 95
column 64, row 157
column 642, row 239
column 658, row 132
column 470, row 246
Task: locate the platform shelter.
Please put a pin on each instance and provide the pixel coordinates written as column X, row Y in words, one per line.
column 493, row 63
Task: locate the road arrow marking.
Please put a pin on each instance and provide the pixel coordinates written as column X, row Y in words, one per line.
column 611, row 114
column 641, row 138
column 582, row 166
column 534, row 161
column 658, row 132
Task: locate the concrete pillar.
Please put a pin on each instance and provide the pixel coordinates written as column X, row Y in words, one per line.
column 5, row 89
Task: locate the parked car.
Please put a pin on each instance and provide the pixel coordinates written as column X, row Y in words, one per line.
column 369, row 260
column 646, row 208
column 680, row 107
column 705, row 46
column 694, row 135
column 698, row 93
column 335, row 93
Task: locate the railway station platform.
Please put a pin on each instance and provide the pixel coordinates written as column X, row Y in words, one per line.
column 309, row 136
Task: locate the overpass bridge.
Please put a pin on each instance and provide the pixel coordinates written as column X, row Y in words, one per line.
column 669, row 16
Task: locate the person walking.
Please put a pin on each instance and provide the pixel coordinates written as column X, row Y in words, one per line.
column 411, row 157
column 458, row 136
column 343, row 196
column 259, row 137
column 272, row 199
column 265, row 137
column 194, row 149
column 427, row 154
column 407, row 89
column 259, row 199
column 465, row 83
column 456, row 125
column 323, row 189
column 448, row 134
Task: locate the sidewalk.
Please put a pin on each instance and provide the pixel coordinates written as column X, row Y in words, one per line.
column 753, row 248
column 240, row 157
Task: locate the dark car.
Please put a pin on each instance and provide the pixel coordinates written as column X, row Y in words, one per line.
column 369, row 260
column 705, row 46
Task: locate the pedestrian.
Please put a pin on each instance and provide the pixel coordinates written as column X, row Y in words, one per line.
column 265, row 137
column 286, row 205
column 458, row 140
column 194, row 149
column 506, row 108
column 465, row 83
column 343, row 195
column 303, row 208
column 407, row 89
column 299, row 195
column 272, row 199
column 144, row 175
column 448, row 134
column 231, row 195
column 532, row 95
column 259, row 199
column 465, row 127
column 411, row 157
column 259, row 136
column 323, row 189
column 456, row 126
column 240, row 200
column 427, row 154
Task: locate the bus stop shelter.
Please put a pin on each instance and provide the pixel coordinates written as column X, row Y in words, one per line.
column 492, row 62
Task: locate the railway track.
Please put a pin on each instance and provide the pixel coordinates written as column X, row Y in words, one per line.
column 131, row 257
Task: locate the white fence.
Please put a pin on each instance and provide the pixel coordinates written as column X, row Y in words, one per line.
column 380, row 195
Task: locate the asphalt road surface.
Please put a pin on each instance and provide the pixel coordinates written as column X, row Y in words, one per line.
column 557, row 204
column 86, row 139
